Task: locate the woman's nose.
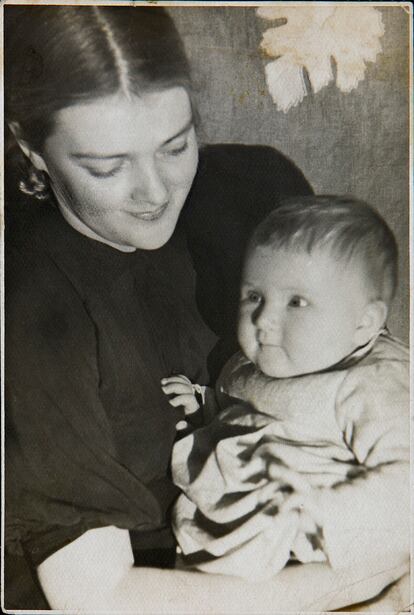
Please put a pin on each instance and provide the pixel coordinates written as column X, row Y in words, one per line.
column 149, row 186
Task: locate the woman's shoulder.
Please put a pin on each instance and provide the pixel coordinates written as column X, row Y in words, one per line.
column 246, row 180
column 44, row 259
column 241, row 159
column 40, row 243
column 31, row 225
column 238, row 152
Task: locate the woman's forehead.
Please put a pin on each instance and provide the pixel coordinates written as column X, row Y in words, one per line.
column 116, row 122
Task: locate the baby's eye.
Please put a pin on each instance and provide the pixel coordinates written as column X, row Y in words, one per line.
column 298, row 302
column 254, row 297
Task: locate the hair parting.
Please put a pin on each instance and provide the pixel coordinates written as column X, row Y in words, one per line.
column 120, row 62
column 59, row 56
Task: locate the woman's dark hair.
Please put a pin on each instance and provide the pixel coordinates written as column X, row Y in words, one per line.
column 57, row 56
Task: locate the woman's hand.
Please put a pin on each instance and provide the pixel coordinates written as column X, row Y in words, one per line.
column 183, row 393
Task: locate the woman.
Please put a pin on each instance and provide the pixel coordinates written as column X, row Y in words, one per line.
column 101, row 306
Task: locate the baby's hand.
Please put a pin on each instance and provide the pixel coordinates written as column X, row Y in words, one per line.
column 184, row 394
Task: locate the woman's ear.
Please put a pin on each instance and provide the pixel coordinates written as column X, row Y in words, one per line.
column 35, row 158
column 372, row 320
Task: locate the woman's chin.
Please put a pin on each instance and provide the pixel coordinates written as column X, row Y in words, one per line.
column 152, row 234
column 141, row 235
column 152, row 241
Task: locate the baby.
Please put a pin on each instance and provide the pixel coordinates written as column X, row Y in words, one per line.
column 307, row 458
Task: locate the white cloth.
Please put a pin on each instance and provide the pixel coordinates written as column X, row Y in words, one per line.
column 311, row 468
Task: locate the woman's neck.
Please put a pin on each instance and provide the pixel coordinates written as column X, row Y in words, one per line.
column 82, row 228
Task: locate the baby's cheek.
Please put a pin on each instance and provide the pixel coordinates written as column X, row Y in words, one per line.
column 248, row 344
column 244, row 328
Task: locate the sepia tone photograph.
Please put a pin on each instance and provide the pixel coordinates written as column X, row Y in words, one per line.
column 205, row 324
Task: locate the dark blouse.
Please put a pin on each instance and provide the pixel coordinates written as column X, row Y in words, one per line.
column 90, row 331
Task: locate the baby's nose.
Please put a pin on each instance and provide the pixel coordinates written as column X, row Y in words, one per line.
column 269, row 318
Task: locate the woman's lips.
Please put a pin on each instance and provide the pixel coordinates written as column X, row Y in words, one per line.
column 149, row 215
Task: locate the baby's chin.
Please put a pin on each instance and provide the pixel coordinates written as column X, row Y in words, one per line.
column 278, row 372
column 272, row 362
column 275, row 363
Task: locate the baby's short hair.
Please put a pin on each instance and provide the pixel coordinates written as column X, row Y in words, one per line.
column 349, row 228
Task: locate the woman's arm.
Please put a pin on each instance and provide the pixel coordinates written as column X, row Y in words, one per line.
column 95, row 573
column 63, row 472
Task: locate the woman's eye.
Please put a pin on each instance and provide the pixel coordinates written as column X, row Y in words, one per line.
column 103, row 174
column 253, row 297
column 176, row 151
column 298, row 302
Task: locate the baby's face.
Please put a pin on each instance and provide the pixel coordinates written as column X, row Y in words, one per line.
column 299, row 312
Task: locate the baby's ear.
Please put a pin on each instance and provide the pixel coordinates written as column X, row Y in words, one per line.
column 372, row 321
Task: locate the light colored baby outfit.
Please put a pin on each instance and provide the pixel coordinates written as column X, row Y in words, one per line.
column 341, row 437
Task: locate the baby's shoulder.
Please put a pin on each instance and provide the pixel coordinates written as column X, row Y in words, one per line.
column 377, row 387
column 386, row 365
column 388, row 349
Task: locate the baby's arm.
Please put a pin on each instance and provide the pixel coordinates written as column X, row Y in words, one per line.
column 183, row 393
column 198, row 401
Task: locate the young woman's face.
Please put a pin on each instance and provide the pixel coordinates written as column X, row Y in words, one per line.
column 123, row 167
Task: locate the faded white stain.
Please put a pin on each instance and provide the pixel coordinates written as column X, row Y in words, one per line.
column 309, row 37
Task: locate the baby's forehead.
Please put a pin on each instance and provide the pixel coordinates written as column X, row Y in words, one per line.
column 269, row 255
column 321, row 265
column 328, row 252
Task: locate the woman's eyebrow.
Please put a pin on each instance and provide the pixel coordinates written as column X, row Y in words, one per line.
column 183, row 130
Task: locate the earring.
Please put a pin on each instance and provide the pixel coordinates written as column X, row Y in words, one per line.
column 35, row 185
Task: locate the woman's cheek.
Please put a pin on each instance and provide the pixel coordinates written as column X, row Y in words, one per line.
column 181, row 175
column 101, row 197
